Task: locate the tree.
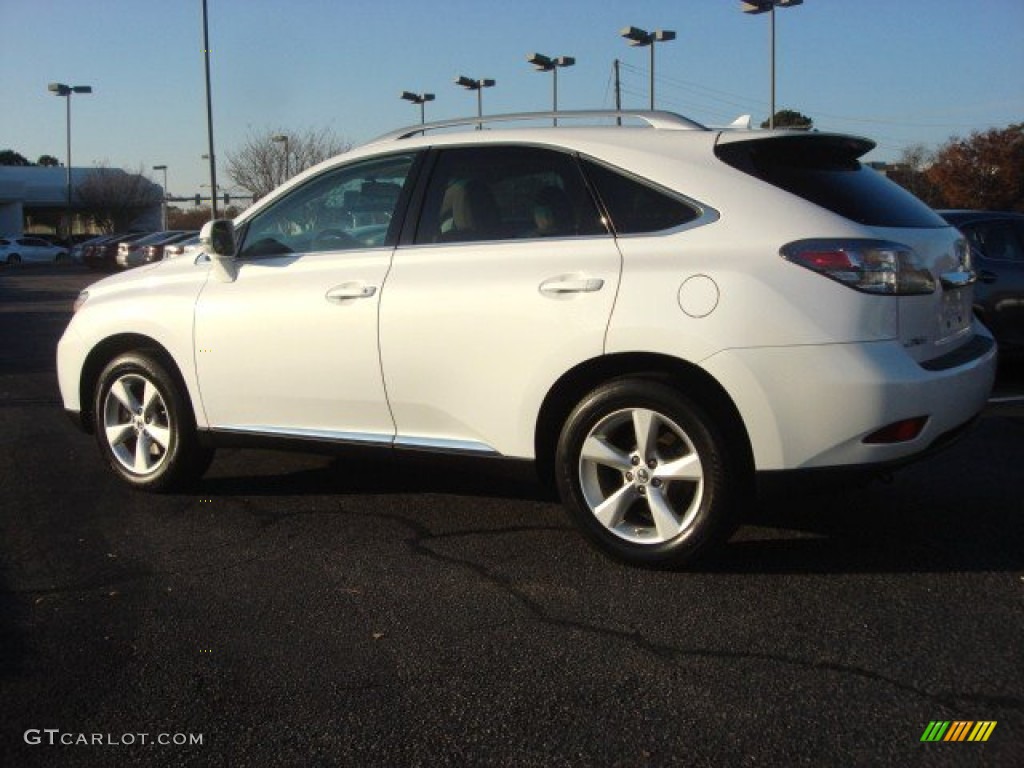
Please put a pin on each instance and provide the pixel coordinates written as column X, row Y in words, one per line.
column 194, row 218
column 114, row 199
column 260, row 164
column 984, row 171
column 790, row 118
column 910, row 172
column 10, row 157
column 48, row 161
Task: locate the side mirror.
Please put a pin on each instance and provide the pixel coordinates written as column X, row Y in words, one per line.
column 218, row 238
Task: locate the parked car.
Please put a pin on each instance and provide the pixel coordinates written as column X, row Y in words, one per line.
column 14, row 250
column 650, row 315
column 134, row 253
column 189, row 247
column 155, row 252
column 103, row 256
column 78, row 251
column 997, row 248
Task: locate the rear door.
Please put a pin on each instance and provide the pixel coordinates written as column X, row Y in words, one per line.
column 507, row 282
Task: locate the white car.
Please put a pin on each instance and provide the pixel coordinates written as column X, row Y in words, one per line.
column 14, row 250
column 651, row 314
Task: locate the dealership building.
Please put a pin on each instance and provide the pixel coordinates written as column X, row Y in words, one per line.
column 34, row 198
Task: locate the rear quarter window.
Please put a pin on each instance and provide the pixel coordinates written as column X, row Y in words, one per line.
column 636, row 207
column 825, row 170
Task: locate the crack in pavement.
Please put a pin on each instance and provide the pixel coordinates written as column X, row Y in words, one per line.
column 667, row 652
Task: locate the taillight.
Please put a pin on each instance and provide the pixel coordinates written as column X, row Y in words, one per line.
column 872, row 266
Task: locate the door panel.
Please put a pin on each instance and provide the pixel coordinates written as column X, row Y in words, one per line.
column 510, row 284
column 276, row 353
column 290, row 347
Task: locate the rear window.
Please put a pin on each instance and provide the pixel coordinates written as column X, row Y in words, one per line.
column 825, row 171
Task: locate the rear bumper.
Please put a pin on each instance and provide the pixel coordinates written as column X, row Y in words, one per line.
column 812, row 406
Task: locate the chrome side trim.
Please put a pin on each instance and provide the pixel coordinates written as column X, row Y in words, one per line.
column 310, row 434
column 440, row 444
column 446, row 445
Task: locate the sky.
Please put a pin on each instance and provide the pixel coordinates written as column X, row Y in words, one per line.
column 901, row 72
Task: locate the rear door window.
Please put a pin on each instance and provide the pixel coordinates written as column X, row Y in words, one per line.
column 506, row 193
column 825, row 170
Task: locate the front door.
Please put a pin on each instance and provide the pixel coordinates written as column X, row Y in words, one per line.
column 290, row 348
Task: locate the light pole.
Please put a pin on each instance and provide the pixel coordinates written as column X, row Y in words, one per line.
column 755, row 7
column 640, row 38
column 60, row 89
column 478, row 86
column 163, row 210
column 418, row 98
column 544, row 63
column 280, row 137
column 209, row 114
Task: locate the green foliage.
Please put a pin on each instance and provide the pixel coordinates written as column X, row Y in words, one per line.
column 10, row 157
column 790, row 118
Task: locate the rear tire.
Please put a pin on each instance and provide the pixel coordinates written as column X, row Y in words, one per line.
column 145, row 426
column 647, row 474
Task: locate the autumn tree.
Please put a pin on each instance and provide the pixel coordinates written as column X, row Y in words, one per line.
column 985, row 170
column 261, row 164
column 114, row 199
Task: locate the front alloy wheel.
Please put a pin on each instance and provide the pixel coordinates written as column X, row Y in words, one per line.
column 647, row 474
column 144, row 424
column 136, row 424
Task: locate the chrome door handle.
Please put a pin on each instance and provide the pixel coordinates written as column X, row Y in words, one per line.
column 564, row 284
column 347, row 291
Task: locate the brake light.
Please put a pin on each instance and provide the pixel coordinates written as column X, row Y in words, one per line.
column 872, row 266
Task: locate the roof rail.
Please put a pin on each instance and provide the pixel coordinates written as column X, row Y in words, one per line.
column 655, row 119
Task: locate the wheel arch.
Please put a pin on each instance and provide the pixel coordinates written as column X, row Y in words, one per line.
column 696, row 383
column 112, row 347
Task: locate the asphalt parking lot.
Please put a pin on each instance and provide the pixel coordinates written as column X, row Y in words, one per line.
column 309, row 610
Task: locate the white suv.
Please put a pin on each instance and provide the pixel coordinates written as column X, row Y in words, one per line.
column 652, row 313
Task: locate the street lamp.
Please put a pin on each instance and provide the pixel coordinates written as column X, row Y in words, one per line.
column 478, row 86
column 163, row 210
column 640, row 38
column 544, row 63
column 60, row 89
column 421, row 99
column 209, row 112
column 755, row 7
column 280, row 137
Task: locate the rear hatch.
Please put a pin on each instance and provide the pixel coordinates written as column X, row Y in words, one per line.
column 909, row 251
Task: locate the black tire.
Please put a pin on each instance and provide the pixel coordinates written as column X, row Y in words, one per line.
column 648, row 475
column 145, row 426
column 13, row 258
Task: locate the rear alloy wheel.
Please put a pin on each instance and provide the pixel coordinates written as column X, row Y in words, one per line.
column 646, row 474
column 145, row 427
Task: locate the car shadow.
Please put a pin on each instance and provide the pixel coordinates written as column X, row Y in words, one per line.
column 929, row 517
